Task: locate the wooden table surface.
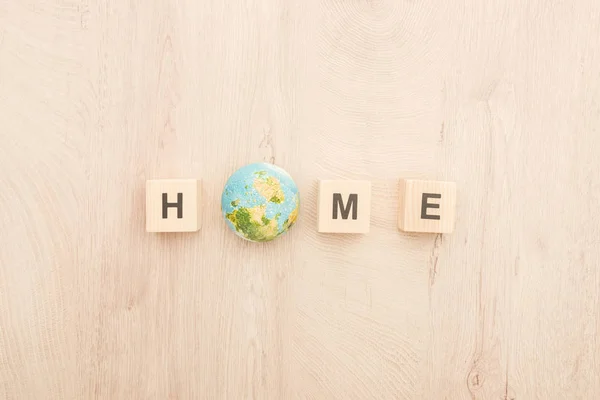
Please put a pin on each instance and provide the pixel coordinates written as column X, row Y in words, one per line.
column 500, row 96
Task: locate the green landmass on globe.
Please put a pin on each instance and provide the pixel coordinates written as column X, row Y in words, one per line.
column 257, row 204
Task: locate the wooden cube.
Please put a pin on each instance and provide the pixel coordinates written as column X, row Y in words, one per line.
column 344, row 206
column 427, row 206
column 173, row 205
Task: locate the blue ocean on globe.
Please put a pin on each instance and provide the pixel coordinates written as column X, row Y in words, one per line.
column 260, row 202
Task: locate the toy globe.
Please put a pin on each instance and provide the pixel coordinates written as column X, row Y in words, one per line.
column 260, row 202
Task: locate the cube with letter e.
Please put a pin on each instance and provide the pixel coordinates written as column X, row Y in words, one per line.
column 427, row 206
column 344, row 206
column 172, row 205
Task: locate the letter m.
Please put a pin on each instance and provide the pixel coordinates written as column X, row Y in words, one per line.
column 345, row 211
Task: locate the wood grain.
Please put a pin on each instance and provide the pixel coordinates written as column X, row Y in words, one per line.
column 501, row 97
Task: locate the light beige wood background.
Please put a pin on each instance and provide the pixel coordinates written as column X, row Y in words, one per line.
column 500, row 96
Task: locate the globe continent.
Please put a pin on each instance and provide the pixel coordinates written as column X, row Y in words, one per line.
column 260, row 202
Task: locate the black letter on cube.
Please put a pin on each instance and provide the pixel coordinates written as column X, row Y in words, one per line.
column 339, row 202
column 425, row 205
column 166, row 205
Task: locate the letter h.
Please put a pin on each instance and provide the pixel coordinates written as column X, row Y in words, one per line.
column 166, row 205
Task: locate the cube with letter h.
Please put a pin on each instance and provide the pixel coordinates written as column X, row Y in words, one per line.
column 427, row 206
column 344, row 206
column 172, row 205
